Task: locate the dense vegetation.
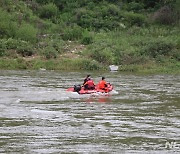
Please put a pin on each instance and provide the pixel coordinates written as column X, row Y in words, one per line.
column 84, row 34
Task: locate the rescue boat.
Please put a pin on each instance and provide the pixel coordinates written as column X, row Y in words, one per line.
column 80, row 90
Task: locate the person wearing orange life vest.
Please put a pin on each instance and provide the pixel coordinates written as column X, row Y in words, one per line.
column 89, row 85
column 102, row 84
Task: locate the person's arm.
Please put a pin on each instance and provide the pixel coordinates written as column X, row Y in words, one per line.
column 85, row 83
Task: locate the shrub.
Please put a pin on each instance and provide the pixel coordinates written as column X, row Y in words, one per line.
column 2, row 51
column 178, row 43
column 135, row 6
column 106, row 9
column 80, row 12
column 25, row 49
column 125, row 58
column 49, row 52
column 52, row 40
column 27, row 33
column 157, row 48
column 42, row 1
column 49, row 11
column 85, row 64
column 86, row 38
column 3, row 47
column 58, row 45
column 163, row 16
column 90, row 65
column 104, row 56
column 176, row 55
column 22, row 47
column 134, row 18
column 105, row 16
column 73, row 33
column 12, row 43
column 113, row 10
column 7, row 26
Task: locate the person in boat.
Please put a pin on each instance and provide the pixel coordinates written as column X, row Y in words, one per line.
column 89, row 85
column 86, row 79
column 102, row 84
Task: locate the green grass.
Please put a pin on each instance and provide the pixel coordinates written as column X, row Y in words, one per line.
column 169, row 67
column 52, row 64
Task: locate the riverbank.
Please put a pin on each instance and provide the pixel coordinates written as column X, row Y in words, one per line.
column 80, row 64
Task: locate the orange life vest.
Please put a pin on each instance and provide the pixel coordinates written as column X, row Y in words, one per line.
column 102, row 84
column 90, row 84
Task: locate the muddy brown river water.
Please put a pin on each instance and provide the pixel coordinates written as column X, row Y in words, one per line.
column 37, row 115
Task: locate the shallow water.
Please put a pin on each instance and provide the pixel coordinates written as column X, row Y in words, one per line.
column 37, row 115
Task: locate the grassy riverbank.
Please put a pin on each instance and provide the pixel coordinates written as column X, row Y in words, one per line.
column 53, row 64
column 83, row 35
column 84, row 64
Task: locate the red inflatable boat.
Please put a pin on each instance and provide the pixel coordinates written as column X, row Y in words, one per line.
column 81, row 90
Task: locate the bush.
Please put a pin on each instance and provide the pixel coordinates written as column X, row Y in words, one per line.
column 3, row 47
column 27, row 32
column 49, row 11
column 176, row 55
column 25, row 49
column 85, row 64
column 135, row 19
column 105, row 16
column 80, row 13
column 2, row 51
column 58, row 45
column 13, row 43
column 113, row 10
column 125, row 58
column 49, row 52
column 7, row 26
column 163, row 16
column 85, row 18
column 73, row 33
column 87, row 38
column 22, row 47
column 104, row 56
column 158, row 48
column 135, row 6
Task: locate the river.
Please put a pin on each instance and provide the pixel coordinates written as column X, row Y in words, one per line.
column 38, row 115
